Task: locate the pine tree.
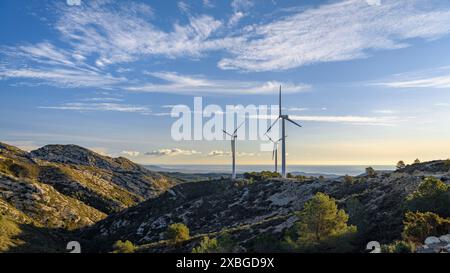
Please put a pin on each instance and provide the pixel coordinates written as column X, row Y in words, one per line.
column 322, row 226
column 401, row 165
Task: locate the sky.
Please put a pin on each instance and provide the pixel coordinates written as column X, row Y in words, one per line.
column 369, row 80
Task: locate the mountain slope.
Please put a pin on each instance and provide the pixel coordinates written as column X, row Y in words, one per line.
column 66, row 186
column 252, row 210
column 119, row 171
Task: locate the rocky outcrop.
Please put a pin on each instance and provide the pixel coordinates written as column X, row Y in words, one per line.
column 436, row 245
column 120, row 171
column 67, row 186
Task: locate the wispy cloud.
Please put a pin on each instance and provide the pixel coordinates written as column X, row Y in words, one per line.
column 349, row 119
column 100, row 34
column 130, row 153
column 220, row 153
column 172, row 152
column 186, row 84
column 242, row 4
column 116, row 34
column 44, row 62
column 384, row 111
column 338, row 31
column 103, row 106
column 103, row 99
column 431, row 78
column 296, row 109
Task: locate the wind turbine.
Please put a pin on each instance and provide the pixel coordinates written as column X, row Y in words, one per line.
column 275, row 151
column 233, row 150
column 283, row 134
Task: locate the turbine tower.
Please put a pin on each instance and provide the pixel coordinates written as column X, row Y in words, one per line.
column 275, row 151
column 233, row 150
column 283, row 134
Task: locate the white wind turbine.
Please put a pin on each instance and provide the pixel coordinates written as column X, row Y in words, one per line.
column 233, row 150
column 275, row 151
column 283, row 135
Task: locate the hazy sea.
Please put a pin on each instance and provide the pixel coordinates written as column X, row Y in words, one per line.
column 308, row 169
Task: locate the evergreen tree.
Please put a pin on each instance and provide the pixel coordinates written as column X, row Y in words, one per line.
column 322, row 227
column 401, row 165
column 432, row 195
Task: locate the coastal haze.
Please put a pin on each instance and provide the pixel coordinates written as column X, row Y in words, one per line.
column 313, row 170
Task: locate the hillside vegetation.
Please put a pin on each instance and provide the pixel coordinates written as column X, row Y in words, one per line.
column 66, row 187
column 61, row 193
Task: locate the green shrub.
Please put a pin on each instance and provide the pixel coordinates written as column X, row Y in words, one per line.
column 370, row 172
column 259, row 176
column 399, row 247
column 417, row 226
column 432, row 195
column 178, row 233
column 222, row 244
column 322, row 227
column 207, row 245
column 349, row 179
column 123, row 247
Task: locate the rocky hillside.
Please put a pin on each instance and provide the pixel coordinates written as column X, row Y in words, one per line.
column 68, row 187
column 250, row 210
column 61, row 193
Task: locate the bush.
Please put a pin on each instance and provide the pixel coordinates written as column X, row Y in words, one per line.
column 259, row 176
column 223, row 244
column 401, row 165
column 178, row 233
column 124, row 247
column 432, row 195
column 349, row 179
column 322, row 227
column 399, row 247
column 417, row 226
column 207, row 245
column 417, row 161
column 370, row 172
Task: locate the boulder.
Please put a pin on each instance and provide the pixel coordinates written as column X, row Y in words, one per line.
column 432, row 240
column 445, row 238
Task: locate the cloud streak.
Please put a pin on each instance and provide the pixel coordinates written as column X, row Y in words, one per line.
column 172, row 152
column 431, row 78
column 187, row 84
column 102, row 106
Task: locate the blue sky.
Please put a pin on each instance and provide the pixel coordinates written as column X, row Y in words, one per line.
column 368, row 79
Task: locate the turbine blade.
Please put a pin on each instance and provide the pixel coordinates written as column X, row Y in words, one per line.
column 238, row 127
column 226, row 133
column 270, row 127
column 293, row 122
column 279, row 100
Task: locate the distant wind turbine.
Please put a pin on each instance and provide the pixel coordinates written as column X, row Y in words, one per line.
column 283, row 135
column 233, row 150
column 275, row 151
